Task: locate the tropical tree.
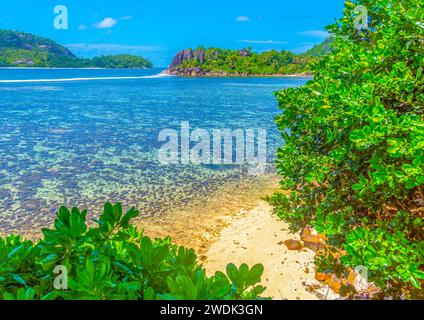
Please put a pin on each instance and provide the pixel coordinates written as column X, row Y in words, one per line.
column 353, row 154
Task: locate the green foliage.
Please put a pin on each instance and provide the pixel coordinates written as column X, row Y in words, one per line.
column 320, row 50
column 19, row 49
column 386, row 253
column 125, row 61
column 353, row 157
column 113, row 261
column 246, row 62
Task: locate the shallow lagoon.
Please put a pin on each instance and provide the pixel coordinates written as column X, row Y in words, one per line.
column 84, row 142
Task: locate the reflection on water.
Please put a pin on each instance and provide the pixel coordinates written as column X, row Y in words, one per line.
column 85, row 143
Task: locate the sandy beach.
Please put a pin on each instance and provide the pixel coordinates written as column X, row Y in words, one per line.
column 237, row 226
column 257, row 236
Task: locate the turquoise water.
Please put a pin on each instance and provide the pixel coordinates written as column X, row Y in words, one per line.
column 83, row 137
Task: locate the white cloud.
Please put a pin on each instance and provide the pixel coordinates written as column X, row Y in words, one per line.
column 106, row 23
column 263, row 41
column 315, row 33
column 110, row 48
column 242, row 19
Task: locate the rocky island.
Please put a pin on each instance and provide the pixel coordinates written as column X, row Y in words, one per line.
column 245, row 62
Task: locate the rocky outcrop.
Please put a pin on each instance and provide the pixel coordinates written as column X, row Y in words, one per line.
column 176, row 67
column 244, row 52
column 187, row 55
column 194, row 72
column 199, row 62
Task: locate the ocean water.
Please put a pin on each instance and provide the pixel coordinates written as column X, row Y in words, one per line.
column 83, row 137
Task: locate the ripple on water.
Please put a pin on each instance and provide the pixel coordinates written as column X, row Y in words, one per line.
column 82, row 144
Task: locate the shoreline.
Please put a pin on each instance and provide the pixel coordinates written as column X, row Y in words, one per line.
column 212, row 75
column 199, row 224
column 195, row 223
column 235, row 225
column 64, row 68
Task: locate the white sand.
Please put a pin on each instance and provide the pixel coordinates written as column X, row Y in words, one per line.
column 255, row 236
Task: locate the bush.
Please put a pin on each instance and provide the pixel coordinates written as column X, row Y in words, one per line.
column 113, row 261
column 353, row 157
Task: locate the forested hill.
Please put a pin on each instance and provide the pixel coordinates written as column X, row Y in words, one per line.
column 19, row 49
column 320, row 50
column 223, row 62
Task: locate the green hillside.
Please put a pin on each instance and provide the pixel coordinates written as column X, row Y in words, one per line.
column 320, row 50
column 19, row 49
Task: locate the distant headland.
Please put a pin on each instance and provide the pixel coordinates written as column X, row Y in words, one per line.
column 245, row 62
column 19, row 49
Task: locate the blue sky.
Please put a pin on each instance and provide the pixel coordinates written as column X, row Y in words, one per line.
column 159, row 29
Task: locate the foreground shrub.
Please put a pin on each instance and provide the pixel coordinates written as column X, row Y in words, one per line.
column 113, row 261
column 353, row 157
